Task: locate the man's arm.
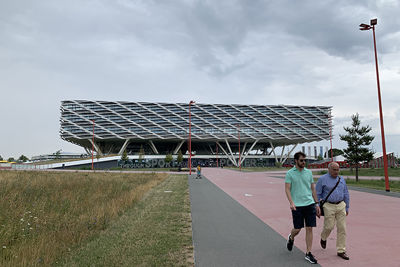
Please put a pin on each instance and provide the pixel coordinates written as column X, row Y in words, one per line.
column 346, row 197
column 314, row 193
column 318, row 189
column 289, row 196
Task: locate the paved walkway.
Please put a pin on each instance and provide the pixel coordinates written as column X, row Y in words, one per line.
column 227, row 234
column 373, row 224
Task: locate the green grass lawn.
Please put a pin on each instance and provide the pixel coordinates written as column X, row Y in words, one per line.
column 49, row 218
column 156, row 232
column 395, row 172
column 373, row 172
column 375, row 184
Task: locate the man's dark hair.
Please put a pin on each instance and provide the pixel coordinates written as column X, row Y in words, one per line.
column 299, row 154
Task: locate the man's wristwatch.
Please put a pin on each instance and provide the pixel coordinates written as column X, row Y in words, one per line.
column 316, row 203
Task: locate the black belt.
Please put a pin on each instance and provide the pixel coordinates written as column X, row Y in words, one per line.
column 335, row 202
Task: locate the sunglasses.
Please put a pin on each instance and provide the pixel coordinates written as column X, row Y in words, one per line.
column 302, row 160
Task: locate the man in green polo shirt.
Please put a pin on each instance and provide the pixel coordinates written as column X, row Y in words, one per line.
column 300, row 191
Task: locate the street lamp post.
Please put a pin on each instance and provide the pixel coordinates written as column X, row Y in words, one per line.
column 330, row 135
column 190, row 139
column 92, row 144
column 240, row 166
column 364, row 27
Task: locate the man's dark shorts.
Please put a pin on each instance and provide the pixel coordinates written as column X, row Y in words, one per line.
column 305, row 214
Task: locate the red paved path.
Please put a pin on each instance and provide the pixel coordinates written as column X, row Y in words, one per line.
column 373, row 224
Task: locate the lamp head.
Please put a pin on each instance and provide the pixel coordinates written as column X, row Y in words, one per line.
column 364, row 27
column 191, row 102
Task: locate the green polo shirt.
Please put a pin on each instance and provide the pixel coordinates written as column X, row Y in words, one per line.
column 300, row 186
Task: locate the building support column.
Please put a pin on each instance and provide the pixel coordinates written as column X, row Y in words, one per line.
column 273, row 151
column 212, row 151
column 283, row 151
column 230, row 150
column 98, row 151
column 248, row 151
column 123, row 147
column 153, row 147
column 87, row 151
column 230, row 158
column 111, row 148
column 288, row 155
column 243, row 150
column 178, row 147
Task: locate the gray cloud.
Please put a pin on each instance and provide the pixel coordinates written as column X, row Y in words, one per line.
column 258, row 52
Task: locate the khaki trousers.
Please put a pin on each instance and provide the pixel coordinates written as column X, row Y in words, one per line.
column 335, row 214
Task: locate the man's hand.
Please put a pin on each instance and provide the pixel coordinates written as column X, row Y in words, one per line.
column 292, row 206
column 347, row 213
column 318, row 211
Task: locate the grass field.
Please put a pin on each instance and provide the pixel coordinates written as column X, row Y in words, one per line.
column 373, row 172
column 47, row 216
column 395, row 172
column 375, row 184
column 156, row 232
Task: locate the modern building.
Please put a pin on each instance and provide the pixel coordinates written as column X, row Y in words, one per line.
column 217, row 130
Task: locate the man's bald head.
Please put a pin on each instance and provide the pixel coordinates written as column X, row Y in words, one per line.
column 333, row 168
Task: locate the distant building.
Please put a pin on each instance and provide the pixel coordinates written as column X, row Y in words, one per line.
column 163, row 128
column 61, row 155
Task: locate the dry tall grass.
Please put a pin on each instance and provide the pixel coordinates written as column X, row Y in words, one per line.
column 43, row 215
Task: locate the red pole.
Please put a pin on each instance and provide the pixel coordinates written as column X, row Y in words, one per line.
column 240, row 167
column 385, row 163
column 330, row 134
column 92, row 144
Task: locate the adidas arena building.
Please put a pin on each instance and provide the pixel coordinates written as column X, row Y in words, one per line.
column 220, row 134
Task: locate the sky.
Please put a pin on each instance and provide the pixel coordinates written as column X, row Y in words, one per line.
column 234, row 51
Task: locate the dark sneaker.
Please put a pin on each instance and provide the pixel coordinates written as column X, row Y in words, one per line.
column 289, row 243
column 343, row 255
column 323, row 244
column 309, row 257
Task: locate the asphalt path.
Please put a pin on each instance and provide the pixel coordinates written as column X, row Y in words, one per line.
column 227, row 234
column 372, row 224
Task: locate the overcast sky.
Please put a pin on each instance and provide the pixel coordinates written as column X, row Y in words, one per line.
column 238, row 52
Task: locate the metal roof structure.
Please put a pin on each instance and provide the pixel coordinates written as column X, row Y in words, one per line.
column 163, row 127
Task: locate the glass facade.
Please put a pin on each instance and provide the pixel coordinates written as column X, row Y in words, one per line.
column 210, row 123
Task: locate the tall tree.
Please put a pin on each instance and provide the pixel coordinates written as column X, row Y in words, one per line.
column 357, row 139
column 179, row 159
column 23, row 158
column 58, row 154
column 1, row 158
column 141, row 154
column 124, row 156
column 168, row 158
